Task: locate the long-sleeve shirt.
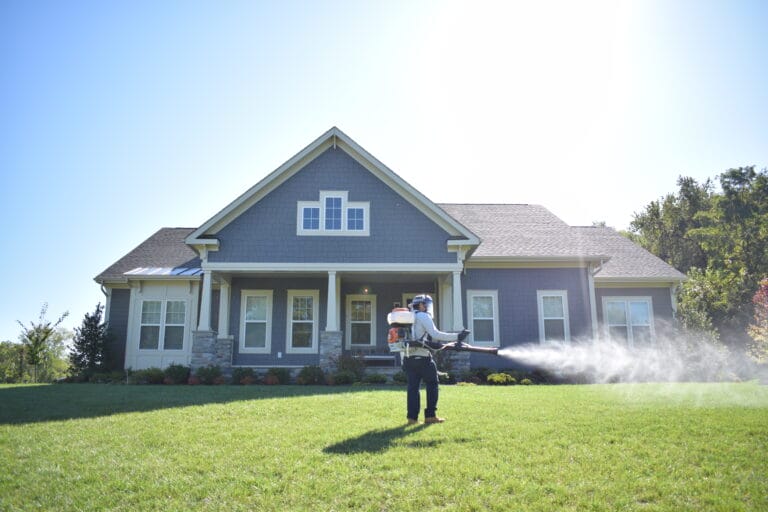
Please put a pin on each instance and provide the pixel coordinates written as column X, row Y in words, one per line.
column 423, row 324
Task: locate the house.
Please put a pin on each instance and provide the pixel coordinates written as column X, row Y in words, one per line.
column 304, row 267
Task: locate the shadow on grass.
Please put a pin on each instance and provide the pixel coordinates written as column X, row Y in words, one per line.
column 21, row 404
column 374, row 441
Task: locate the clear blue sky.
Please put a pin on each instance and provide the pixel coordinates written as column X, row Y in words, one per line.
column 118, row 118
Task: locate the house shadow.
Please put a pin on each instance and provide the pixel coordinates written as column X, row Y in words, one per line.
column 375, row 441
column 20, row 404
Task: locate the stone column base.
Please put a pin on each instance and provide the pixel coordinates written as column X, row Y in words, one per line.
column 209, row 350
column 330, row 349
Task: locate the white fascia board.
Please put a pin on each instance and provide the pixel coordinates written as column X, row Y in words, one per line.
column 629, row 282
column 333, row 267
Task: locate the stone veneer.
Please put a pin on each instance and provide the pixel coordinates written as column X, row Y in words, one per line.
column 330, row 349
column 208, row 349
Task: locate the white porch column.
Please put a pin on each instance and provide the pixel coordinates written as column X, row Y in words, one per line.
column 331, row 315
column 204, row 323
column 592, row 301
column 458, row 309
column 224, row 308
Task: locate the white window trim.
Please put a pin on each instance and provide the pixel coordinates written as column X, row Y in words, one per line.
column 494, row 294
column 627, row 299
column 372, row 299
column 315, row 294
column 345, row 206
column 162, row 325
column 563, row 294
column 268, row 341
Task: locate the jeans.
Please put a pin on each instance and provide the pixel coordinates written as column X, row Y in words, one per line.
column 418, row 369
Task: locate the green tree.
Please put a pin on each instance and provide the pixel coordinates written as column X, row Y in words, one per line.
column 12, row 366
column 41, row 343
column 89, row 347
column 720, row 239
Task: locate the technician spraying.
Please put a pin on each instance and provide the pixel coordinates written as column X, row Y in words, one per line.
column 418, row 363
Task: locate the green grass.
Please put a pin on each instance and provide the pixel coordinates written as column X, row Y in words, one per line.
column 614, row 447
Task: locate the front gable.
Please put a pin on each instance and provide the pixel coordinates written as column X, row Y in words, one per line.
column 332, row 202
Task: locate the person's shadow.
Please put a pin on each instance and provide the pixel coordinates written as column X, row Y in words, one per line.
column 372, row 442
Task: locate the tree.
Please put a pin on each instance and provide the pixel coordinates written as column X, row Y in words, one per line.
column 12, row 368
column 720, row 239
column 758, row 329
column 88, row 354
column 39, row 340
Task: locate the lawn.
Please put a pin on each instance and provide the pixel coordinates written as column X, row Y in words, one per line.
column 601, row 447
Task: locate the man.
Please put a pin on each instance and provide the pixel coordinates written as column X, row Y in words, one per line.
column 418, row 362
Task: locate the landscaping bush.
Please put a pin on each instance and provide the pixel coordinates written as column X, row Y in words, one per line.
column 343, row 377
column 375, row 378
column 526, row 382
column 311, row 375
column 352, row 364
column 500, row 379
column 243, row 376
column 277, row 376
column 209, row 375
column 147, row 376
column 176, row 374
column 400, row 377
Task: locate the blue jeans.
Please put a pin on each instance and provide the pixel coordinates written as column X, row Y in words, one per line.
column 418, row 369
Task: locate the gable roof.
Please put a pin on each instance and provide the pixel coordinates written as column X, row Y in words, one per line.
column 524, row 232
column 629, row 261
column 458, row 234
column 162, row 254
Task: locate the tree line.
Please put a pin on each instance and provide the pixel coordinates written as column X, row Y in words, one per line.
column 716, row 232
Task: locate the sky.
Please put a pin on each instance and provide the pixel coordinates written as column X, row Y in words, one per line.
column 119, row 118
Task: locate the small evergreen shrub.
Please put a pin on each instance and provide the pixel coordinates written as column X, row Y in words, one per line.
column 277, row 376
column 311, row 375
column 243, row 376
column 209, row 375
column 375, row 378
column 176, row 374
column 500, row 379
column 526, row 382
column 147, row 376
column 343, row 377
column 400, row 377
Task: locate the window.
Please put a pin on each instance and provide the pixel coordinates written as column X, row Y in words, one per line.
column 333, row 215
column 311, row 218
column 255, row 321
column 303, row 312
column 483, row 316
column 162, row 324
column 361, row 321
column 553, row 316
column 629, row 320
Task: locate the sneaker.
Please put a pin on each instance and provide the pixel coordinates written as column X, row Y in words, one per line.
column 434, row 419
column 412, row 421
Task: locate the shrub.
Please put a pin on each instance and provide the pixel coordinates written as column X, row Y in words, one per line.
column 208, row 374
column 147, row 376
column 243, row 376
column 343, row 377
column 375, row 378
column 352, row 364
column 400, row 377
column 526, row 382
column 500, row 379
column 311, row 375
column 277, row 376
column 176, row 374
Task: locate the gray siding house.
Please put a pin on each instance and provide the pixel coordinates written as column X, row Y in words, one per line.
column 305, row 266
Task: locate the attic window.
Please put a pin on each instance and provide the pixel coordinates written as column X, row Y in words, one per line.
column 333, row 215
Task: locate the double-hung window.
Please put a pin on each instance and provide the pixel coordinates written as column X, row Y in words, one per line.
column 302, row 328
column 255, row 321
column 361, row 321
column 162, row 324
column 553, row 316
column 629, row 320
column 333, row 215
column 483, row 315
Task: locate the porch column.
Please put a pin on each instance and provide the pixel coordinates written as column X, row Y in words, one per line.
column 224, row 308
column 204, row 322
column 592, row 301
column 331, row 323
column 458, row 309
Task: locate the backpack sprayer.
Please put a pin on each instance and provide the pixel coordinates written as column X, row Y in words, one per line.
column 401, row 321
